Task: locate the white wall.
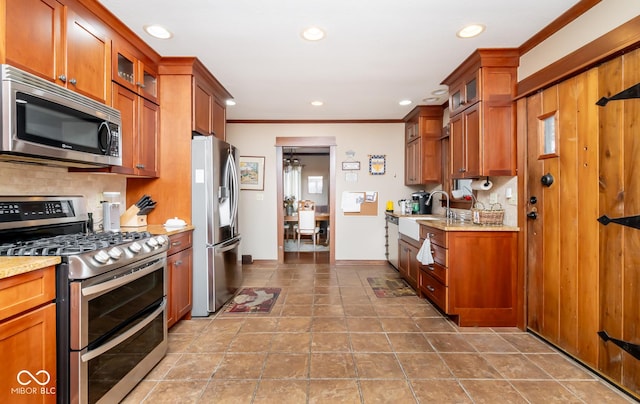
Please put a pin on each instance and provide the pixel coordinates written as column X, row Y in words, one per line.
column 356, row 238
column 602, row 18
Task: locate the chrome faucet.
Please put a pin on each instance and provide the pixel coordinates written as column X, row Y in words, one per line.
column 448, row 211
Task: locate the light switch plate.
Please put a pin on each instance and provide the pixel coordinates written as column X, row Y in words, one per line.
column 493, row 198
column 260, row 196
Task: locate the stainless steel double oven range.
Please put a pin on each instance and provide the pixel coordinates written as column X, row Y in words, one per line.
column 110, row 295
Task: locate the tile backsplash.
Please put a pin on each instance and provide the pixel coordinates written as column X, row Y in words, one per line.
column 29, row 179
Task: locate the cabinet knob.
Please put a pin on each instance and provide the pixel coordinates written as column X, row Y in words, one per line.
column 431, row 288
column 73, row 82
column 140, row 166
column 139, row 84
column 178, row 263
column 176, row 243
column 62, row 78
column 462, row 170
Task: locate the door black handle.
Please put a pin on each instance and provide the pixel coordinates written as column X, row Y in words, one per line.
column 547, row 179
column 532, row 215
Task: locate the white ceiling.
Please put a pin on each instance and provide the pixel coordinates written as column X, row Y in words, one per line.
column 376, row 52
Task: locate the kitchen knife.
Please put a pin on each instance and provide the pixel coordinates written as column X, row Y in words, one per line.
column 142, row 200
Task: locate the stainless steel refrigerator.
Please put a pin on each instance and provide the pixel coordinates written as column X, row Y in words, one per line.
column 217, row 270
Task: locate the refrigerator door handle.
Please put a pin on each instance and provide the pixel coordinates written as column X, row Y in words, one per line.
column 233, row 194
column 227, row 245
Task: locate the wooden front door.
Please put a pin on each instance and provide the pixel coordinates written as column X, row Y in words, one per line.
column 582, row 163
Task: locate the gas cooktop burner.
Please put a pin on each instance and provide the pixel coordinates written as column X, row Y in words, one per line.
column 70, row 244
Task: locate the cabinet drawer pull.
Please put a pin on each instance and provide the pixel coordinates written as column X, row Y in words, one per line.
column 462, row 170
column 430, row 268
column 73, row 82
column 431, row 288
column 62, row 78
column 178, row 263
column 432, row 235
column 433, row 252
column 176, row 243
column 139, row 165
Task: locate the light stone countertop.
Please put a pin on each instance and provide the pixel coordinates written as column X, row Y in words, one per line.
column 454, row 225
column 157, row 229
column 10, row 266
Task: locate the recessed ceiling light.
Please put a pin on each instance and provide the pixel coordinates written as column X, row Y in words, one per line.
column 317, row 103
column 313, row 34
column 231, row 102
column 431, row 99
column 158, row 31
column 405, row 102
column 470, row 31
column 439, row 92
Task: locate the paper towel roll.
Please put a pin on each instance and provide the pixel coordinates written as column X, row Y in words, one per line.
column 481, row 185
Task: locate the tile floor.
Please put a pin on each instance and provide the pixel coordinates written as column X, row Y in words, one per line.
column 328, row 339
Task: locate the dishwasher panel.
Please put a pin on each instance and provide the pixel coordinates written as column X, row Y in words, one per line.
column 391, row 234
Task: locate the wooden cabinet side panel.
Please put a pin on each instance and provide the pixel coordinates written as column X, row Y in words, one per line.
column 219, row 118
column 456, row 147
column 126, row 102
column 31, row 341
column 430, row 163
column 473, row 141
column 202, row 108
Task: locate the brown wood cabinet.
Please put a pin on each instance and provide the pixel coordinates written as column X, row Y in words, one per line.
column 482, row 120
column 140, row 133
column 408, row 265
column 423, row 130
column 177, row 77
column 473, row 277
column 130, row 71
column 180, row 274
column 71, row 52
column 209, row 112
column 28, row 335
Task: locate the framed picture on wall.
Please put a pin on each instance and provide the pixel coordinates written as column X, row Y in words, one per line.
column 377, row 164
column 252, row 173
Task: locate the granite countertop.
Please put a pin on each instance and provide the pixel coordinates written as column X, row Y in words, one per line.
column 456, row 225
column 10, row 266
column 157, row 229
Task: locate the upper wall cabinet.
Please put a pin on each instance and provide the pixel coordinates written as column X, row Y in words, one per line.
column 209, row 110
column 482, row 116
column 46, row 38
column 130, row 71
column 423, row 129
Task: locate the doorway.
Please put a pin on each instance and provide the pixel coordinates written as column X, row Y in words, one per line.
column 311, row 145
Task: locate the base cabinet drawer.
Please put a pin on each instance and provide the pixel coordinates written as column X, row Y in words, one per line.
column 437, row 271
column 433, row 290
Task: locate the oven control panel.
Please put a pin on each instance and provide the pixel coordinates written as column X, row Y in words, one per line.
column 18, row 211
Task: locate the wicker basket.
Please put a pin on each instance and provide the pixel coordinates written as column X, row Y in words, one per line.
column 488, row 217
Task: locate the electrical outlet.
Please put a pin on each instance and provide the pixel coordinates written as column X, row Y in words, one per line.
column 514, row 199
column 493, row 198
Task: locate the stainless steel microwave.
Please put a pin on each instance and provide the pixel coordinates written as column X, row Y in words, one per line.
column 45, row 123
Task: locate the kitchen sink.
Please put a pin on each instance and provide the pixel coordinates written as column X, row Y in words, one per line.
column 408, row 225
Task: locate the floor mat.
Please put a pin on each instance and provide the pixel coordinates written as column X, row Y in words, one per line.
column 254, row 300
column 390, row 287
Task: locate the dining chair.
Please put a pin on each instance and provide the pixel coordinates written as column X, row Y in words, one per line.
column 307, row 222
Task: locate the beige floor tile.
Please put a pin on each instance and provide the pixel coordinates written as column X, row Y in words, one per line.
column 291, row 342
column 281, row 392
column 328, row 310
column 409, row 342
column 469, row 366
column 193, row 326
column 359, row 310
column 378, row 366
column 447, row 342
column 294, row 324
column 330, row 342
column 366, row 324
column 332, row 298
column 211, row 342
column 161, row 369
column 370, row 342
column 439, row 391
column 544, row 392
column 386, row 391
column 490, row 342
column 559, row 367
column 334, row 391
column 434, row 324
column 515, row 366
column 388, row 310
column 258, row 324
column 328, row 324
column 332, row 366
column 306, row 299
column 527, row 343
column 200, row 366
column 251, row 342
column 492, row 391
column 241, row 366
column 424, row 309
column 297, row 310
column 424, row 366
column 359, row 300
column 179, row 343
column 286, row 366
column 226, row 325
column 171, row 392
column 596, row 392
column 229, row 391
column 399, row 325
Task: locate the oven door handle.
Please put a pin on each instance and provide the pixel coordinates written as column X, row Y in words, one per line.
column 107, row 286
column 122, row 337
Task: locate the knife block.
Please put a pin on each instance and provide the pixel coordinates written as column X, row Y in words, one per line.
column 130, row 218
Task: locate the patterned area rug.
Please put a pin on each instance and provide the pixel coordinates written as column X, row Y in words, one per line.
column 254, row 300
column 390, row 287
